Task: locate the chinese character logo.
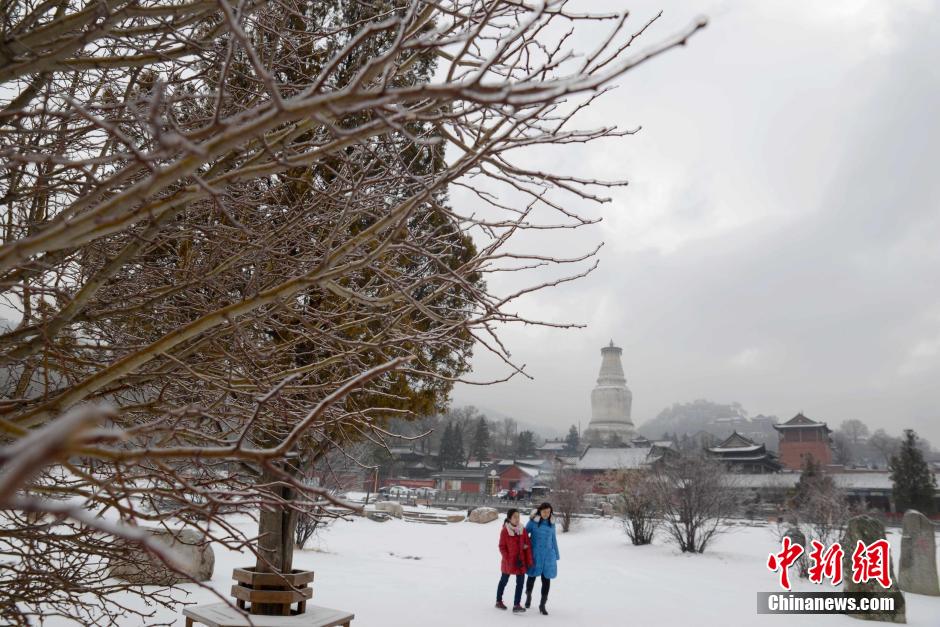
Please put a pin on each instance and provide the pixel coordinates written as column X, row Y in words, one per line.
column 826, row 565
column 868, row 562
column 871, row 562
column 781, row 561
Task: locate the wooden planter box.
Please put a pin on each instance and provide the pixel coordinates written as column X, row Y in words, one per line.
column 272, row 593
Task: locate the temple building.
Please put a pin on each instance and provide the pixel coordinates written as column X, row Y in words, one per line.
column 741, row 454
column 611, row 400
column 800, row 438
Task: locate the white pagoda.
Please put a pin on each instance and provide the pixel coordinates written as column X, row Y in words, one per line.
column 611, row 400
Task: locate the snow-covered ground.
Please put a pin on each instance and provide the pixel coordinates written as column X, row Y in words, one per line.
column 406, row 574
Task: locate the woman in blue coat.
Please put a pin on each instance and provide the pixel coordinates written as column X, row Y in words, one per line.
column 541, row 528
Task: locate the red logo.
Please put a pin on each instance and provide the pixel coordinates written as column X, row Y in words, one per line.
column 781, row 561
column 826, row 564
column 871, row 562
column 868, row 562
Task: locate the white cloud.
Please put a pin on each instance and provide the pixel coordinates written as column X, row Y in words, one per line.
column 922, row 357
column 747, row 358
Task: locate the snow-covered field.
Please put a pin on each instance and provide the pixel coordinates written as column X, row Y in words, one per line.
column 405, row 574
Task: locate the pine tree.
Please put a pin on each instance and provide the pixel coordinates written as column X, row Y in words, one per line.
column 525, row 444
column 573, row 441
column 446, row 454
column 812, row 480
column 914, row 483
column 480, row 448
column 459, row 457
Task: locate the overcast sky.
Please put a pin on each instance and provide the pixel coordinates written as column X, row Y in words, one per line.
column 779, row 243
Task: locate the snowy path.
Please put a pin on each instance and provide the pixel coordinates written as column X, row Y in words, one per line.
column 369, row 568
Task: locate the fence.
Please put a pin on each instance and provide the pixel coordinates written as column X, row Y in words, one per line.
column 467, row 501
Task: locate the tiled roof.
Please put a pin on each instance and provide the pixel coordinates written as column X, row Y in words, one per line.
column 613, row 458
column 461, row 473
column 845, row 480
column 800, row 421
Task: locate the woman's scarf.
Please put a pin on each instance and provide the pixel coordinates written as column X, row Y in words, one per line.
column 513, row 530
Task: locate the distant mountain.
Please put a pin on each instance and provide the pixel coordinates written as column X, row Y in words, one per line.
column 714, row 418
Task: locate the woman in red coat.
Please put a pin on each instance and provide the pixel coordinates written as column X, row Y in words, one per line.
column 516, row 550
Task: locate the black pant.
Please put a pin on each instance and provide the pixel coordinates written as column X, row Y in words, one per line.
column 503, row 580
column 546, row 584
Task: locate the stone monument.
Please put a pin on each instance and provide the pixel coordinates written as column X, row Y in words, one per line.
column 918, row 570
column 868, row 530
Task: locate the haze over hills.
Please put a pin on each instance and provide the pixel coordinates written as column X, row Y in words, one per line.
column 540, row 429
column 715, row 418
column 718, row 419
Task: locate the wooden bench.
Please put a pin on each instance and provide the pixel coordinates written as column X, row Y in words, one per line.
column 224, row 615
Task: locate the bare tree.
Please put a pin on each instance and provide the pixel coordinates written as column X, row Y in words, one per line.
column 335, row 473
column 843, row 451
column 886, row 445
column 227, row 240
column 637, row 504
column 855, row 429
column 696, row 499
column 508, row 429
column 568, row 495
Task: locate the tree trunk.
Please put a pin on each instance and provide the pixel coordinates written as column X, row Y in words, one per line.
column 276, row 532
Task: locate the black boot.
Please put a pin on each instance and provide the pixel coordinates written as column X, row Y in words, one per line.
column 528, row 591
column 546, row 586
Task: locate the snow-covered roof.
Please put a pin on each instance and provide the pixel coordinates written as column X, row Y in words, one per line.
column 800, row 421
column 736, row 449
column 461, row 473
column 553, row 446
column 845, row 480
column 869, row 480
column 736, row 443
column 538, row 462
column 612, row 458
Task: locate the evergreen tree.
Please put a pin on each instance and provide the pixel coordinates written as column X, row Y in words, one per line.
column 460, row 457
column 446, row 454
column 573, row 440
column 914, row 483
column 480, row 448
column 525, row 444
column 812, row 480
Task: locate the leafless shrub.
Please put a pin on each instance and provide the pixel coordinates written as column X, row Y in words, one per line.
column 696, row 500
column 638, row 505
column 568, row 496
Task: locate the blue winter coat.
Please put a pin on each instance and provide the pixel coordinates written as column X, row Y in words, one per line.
column 544, row 547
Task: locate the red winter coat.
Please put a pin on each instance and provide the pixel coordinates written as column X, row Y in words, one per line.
column 516, row 550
